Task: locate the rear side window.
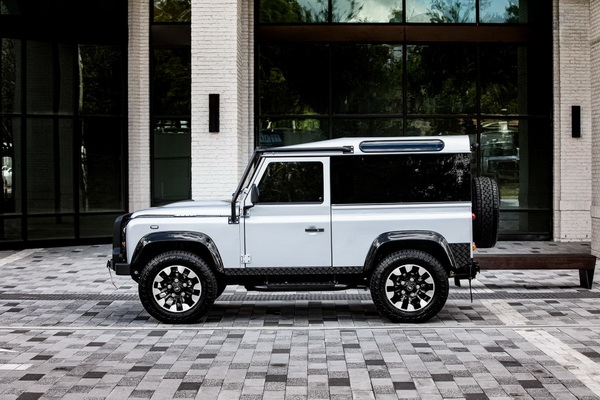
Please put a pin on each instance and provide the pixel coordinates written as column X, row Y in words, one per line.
column 292, row 182
column 400, row 178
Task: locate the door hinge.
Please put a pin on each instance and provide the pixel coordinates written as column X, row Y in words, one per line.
column 246, row 258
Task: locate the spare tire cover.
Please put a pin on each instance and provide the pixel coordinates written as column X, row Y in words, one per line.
column 486, row 207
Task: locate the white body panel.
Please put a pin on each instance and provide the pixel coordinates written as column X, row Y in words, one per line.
column 276, row 233
column 206, row 217
column 355, row 227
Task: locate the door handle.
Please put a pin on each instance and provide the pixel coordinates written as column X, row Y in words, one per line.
column 312, row 230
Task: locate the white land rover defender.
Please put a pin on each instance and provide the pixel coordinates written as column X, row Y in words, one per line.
column 398, row 215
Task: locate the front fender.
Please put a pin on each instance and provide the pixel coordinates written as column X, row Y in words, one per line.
column 424, row 238
column 176, row 240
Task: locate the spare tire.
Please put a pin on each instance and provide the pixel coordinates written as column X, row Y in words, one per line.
column 486, row 210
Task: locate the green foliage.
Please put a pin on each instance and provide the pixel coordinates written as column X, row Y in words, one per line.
column 100, row 91
column 172, row 11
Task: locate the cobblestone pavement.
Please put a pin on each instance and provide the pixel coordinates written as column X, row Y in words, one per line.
column 67, row 332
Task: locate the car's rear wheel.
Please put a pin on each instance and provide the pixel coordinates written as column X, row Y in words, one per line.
column 409, row 286
column 177, row 287
column 486, row 207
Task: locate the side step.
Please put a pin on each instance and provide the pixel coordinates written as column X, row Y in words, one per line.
column 298, row 287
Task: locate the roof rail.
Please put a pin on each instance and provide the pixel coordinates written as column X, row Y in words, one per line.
column 343, row 149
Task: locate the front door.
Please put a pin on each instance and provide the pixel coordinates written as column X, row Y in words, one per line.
column 290, row 224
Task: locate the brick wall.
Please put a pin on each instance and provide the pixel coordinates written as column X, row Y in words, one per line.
column 139, row 105
column 572, row 86
column 221, row 64
column 595, row 86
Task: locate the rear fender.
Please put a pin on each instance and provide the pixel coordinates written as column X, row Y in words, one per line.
column 429, row 241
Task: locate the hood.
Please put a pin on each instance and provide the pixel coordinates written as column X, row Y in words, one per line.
column 189, row 208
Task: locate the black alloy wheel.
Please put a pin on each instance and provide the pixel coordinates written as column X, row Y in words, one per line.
column 409, row 286
column 177, row 287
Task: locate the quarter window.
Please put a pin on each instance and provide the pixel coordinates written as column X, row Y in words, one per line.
column 400, row 178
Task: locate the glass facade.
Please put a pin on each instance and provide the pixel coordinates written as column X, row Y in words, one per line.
column 479, row 68
column 171, row 79
column 62, row 113
column 394, row 11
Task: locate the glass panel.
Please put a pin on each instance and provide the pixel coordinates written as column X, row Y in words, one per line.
column 11, row 166
column 49, row 166
column 40, row 78
column 10, row 76
column 284, row 132
column 435, row 127
column 100, row 179
column 294, row 79
column 518, row 155
column 65, row 166
column 101, row 91
column 93, row 226
column 292, row 182
column 367, row 79
column 400, row 178
column 10, row 229
column 440, row 11
column 57, row 227
column 441, row 79
column 41, row 189
column 10, row 7
column 504, row 82
column 522, row 222
column 372, row 127
column 172, row 161
column 294, row 11
column 172, row 11
column 171, row 82
column 367, row 11
column 503, row 11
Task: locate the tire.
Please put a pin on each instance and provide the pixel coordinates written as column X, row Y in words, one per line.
column 486, row 207
column 220, row 288
column 171, row 299
column 409, row 286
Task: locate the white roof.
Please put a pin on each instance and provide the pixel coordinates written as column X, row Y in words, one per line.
column 379, row 145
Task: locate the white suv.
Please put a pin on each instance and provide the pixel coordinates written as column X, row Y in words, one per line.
column 395, row 215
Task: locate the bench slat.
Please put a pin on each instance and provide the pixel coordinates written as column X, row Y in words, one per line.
column 585, row 263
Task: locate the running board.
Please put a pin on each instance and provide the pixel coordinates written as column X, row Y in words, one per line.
column 298, row 287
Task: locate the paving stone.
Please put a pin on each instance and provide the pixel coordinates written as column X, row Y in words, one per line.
column 67, row 332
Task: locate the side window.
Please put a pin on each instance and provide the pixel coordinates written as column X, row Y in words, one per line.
column 410, row 178
column 292, row 182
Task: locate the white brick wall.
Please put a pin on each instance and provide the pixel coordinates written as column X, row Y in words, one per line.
column 138, row 83
column 221, row 64
column 595, row 86
column 572, row 86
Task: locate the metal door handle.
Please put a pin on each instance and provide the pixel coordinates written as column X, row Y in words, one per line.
column 314, row 230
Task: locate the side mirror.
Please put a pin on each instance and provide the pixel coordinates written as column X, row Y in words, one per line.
column 253, row 197
column 254, row 194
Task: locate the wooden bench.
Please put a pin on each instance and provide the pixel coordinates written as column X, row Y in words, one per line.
column 585, row 263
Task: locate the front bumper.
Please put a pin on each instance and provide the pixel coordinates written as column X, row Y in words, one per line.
column 119, row 268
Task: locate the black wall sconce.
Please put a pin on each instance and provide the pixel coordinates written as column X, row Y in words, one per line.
column 213, row 113
column 576, row 121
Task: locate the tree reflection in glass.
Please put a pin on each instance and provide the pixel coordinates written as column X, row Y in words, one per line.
column 367, row 79
column 441, row 79
column 440, row 11
column 294, row 79
column 503, row 11
column 294, row 11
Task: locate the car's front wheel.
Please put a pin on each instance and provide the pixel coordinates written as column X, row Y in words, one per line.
column 409, row 286
column 177, row 287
